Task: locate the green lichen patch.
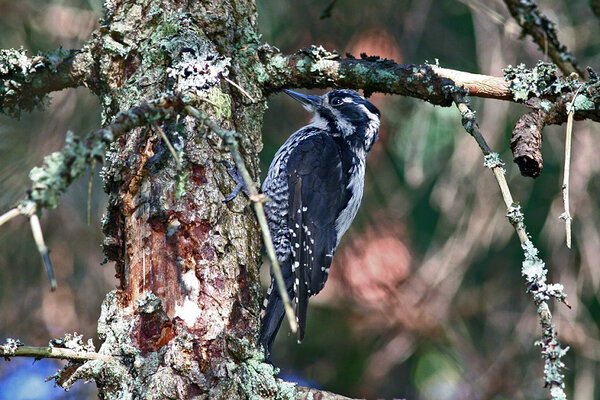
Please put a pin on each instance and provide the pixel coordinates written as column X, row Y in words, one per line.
column 584, row 103
column 319, row 53
column 542, row 80
column 221, row 101
column 181, row 179
column 257, row 380
column 15, row 69
column 165, row 40
column 60, row 169
column 514, row 214
column 492, row 160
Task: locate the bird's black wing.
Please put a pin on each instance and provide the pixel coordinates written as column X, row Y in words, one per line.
column 316, row 187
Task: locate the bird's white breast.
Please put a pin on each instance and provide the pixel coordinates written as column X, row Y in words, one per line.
column 355, row 185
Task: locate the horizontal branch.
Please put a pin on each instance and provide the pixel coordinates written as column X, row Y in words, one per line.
column 70, row 347
column 53, row 352
column 493, row 87
column 25, row 81
column 314, row 67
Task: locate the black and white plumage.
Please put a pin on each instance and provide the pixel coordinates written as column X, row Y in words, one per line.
column 315, row 184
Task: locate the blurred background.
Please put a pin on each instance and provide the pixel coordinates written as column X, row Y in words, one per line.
column 425, row 299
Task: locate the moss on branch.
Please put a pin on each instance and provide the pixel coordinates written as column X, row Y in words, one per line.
column 314, row 67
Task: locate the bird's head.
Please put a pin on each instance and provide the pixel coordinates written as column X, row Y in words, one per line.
column 343, row 113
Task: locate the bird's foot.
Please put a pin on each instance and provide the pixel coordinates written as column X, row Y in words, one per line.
column 237, row 177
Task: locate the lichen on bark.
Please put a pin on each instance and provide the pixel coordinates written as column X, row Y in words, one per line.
column 173, row 240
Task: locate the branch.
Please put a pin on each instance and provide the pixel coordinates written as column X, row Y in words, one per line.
column 526, row 143
column 314, row 67
column 74, row 350
column 554, row 100
column 533, row 270
column 10, row 214
column 53, row 352
column 543, row 32
column 38, row 237
column 477, row 85
column 566, row 216
column 539, row 88
column 26, row 81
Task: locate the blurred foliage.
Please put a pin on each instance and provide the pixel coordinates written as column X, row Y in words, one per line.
column 447, row 317
column 29, row 311
column 425, row 300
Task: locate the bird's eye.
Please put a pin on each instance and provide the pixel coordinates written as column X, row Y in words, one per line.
column 336, row 101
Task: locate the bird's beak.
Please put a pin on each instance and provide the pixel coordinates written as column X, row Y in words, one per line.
column 310, row 103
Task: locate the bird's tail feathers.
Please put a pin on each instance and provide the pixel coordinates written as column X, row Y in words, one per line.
column 271, row 318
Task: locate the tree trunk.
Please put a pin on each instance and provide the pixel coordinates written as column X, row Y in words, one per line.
column 187, row 306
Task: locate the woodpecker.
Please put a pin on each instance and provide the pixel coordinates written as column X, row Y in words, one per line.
column 315, row 183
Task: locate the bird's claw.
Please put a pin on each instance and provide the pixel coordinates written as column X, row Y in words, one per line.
column 237, row 177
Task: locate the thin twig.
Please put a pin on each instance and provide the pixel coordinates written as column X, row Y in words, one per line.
column 36, row 229
column 10, row 214
column 89, row 202
column 543, row 31
column 257, row 201
column 566, row 215
column 53, row 352
column 533, row 268
column 470, row 124
column 169, row 145
column 241, row 89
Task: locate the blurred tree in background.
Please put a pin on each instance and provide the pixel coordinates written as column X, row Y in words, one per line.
column 426, row 299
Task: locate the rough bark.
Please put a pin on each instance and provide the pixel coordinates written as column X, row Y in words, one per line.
column 526, row 143
column 186, row 312
column 183, row 321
